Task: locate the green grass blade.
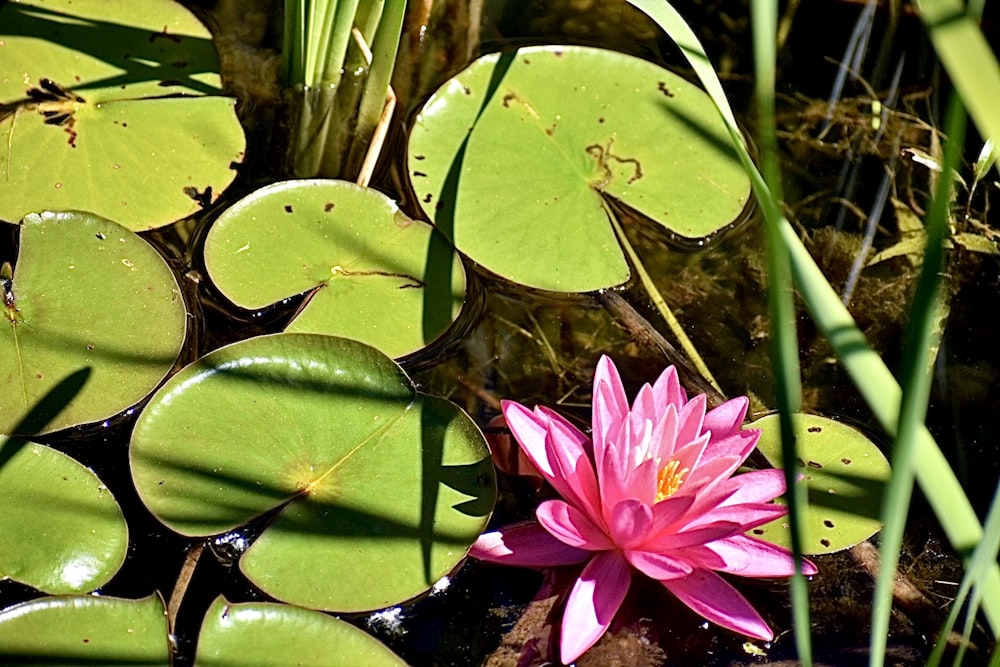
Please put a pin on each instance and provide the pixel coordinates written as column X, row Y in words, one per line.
column 785, row 349
column 969, row 60
column 920, row 349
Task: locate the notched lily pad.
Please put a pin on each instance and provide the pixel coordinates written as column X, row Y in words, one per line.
column 85, row 630
column 262, row 634
column 61, row 530
column 112, row 107
column 85, row 293
column 374, row 491
column 845, row 474
column 370, row 272
column 516, row 157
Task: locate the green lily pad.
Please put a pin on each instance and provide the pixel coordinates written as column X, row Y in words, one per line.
column 515, row 157
column 845, row 474
column 372, row 273
column 112, row 107
column 61, row 530
column 261, row 634
column 85, row 630
column 85, row 293
column 377, row 491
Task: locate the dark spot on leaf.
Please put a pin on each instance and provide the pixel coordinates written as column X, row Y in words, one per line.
column 164, row 35
column 38, row 376
column 758, row 531
column 419, row 157
column 557, row 54
column 662, row 87
column 827, row 523
column 601, row 119
column 825, row 542
column 204, row 199
column 420, row 174
column 507, row 98
column 428, row 197
column 466, row 90
column 76, row 77
column 815, row 429
column 288, row 208
column 86, row 640
column 90, row 346
column 527, row 62
column 329, row 206
column 846, row 462
column 815, row 464
column 101, row 235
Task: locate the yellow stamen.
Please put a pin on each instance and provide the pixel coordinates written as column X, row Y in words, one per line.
column 668, row 480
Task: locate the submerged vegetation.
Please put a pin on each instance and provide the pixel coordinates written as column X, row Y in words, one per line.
column 271, row 322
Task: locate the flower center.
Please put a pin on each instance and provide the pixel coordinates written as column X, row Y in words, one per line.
column 668, row 480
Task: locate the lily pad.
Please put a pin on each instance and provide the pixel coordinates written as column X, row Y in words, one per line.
column 112, row 107
column 371, row 273
column 85, row 630
column 85, row 293
column 845, row 474
column 261, row 634
column 61, row 530
column 516, row 157
column 373, row 491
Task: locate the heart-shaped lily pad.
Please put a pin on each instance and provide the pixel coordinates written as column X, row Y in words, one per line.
column 61, row 530
column 372, row 273
column 85, row 630
column 845, row 474
column 377, row 490
column 112, row 107
column 261, row 634
column 515, row 156
column 85, row 293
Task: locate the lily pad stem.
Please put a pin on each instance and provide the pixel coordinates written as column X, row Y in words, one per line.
column 661, row 304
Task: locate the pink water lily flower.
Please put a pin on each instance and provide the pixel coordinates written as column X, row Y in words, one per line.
column 653, row 491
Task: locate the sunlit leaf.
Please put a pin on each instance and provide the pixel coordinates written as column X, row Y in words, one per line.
column 261, row 634
column 378, row 491
column 371, row 273
column 89, row 294
column 845, row 474
column 515, row 157
column 113, row 107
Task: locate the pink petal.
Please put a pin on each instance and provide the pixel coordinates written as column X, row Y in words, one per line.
column 737, row 444
column 658, row 566
column 747, row 515
column 668, row 390
column 573, row 475
column 711, row 597
column 691, row 419
column 663, row 440
column 610, row 405
column 530, row 431
column 689, row 537
column 571, row 526
column 631, row 521
column 750, row 557
column 727, row 417
column 593, row 603
column 526, row 544
column 757, row 486
column 669, row 511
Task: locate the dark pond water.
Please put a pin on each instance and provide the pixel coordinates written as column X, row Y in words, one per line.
column 542, row 348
